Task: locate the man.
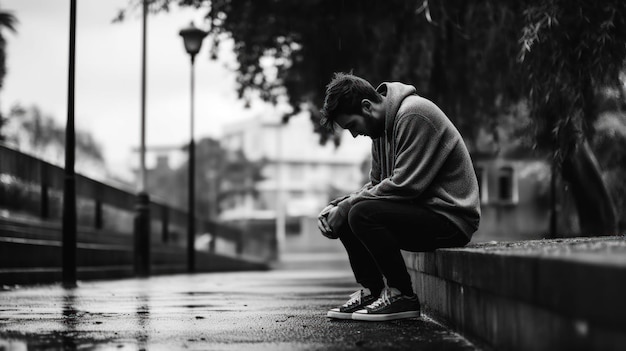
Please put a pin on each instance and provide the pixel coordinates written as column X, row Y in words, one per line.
column 422, row 194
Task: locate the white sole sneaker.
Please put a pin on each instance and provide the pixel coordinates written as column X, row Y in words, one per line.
column 379, row 317
column 338, row 315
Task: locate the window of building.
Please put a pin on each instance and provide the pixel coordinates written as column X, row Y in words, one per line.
column 507, row 185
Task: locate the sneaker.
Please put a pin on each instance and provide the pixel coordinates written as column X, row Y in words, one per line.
column 358, row 300
column 390, row 305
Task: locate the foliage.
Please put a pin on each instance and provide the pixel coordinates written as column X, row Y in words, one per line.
column 220, row 175
column 461, row 54
column 38, row 133
column 447, row 50
column 571, row 52
column 571, row 49
column 8, row 21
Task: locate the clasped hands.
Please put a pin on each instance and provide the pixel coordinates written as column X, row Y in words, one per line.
column 327, row 220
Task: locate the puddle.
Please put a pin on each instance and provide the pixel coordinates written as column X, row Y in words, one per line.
column 198, row 293
column 67, row 343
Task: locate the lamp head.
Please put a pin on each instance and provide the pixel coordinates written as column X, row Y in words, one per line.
column 192, row 38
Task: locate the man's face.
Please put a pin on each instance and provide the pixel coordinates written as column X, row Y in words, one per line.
column 365, row 124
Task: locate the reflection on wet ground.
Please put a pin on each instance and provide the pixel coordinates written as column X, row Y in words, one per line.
column 226, row 311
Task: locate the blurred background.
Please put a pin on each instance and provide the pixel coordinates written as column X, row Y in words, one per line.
column 536, row 89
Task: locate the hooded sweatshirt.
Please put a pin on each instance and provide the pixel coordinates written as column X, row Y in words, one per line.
column 420, row 158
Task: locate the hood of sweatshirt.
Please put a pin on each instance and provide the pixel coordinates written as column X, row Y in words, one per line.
column 394, row 93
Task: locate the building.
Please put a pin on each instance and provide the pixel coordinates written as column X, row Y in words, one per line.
column 514, row 198
column 298, row 172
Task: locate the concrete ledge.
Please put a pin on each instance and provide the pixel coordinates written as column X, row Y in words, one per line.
column 539, row 295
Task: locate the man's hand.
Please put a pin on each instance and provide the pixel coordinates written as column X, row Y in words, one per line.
column 334, row 218
column 323, row 223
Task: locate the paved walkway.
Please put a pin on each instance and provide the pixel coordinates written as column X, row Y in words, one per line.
column 274, row 310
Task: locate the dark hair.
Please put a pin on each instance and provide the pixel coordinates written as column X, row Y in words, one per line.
column 344, row 94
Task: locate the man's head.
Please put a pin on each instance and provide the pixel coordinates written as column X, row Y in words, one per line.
column 352, row 103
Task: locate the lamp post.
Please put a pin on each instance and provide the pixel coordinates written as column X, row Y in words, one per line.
column 69, row 190
column 141, row 225
column 192, row 38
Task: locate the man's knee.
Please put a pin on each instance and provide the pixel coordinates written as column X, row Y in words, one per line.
column 362, row 213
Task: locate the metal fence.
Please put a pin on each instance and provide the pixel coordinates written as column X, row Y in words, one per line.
column 32, row 189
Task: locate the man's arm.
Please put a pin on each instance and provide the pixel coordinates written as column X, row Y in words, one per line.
column 421, row 149
column 374, row 177
column 327, row 220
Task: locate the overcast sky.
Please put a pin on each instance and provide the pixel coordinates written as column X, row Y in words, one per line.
column 108, row 75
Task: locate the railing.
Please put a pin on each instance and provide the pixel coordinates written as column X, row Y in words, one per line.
column 32, row 188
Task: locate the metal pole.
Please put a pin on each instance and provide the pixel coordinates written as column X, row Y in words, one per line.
column 191, row 222
column 142, row 146
column 69, row 190
column 142, row 205
column 280, row 191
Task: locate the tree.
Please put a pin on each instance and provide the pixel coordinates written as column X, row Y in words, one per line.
column 571, row 50
column 8, row 21
column 39, row 134
column 220, row 175
column 292, row 49
column 609, row 144
column 458, row 44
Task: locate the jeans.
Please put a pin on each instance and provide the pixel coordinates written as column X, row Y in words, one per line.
column 375, row 232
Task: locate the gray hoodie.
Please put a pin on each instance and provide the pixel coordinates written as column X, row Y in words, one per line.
column 420, row 158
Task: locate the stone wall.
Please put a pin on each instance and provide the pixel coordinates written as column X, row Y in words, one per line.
column 566, row 294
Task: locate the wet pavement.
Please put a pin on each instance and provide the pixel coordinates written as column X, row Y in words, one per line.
column 272, row 310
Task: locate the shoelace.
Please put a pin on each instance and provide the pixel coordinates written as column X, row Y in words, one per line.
column 383, row 300
column 355, row 297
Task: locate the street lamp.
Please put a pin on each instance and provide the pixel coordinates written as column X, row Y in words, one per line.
column 69, row 190
column 192, row 38
column 141, row 224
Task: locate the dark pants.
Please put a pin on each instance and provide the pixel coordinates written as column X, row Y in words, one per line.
column 378, row 229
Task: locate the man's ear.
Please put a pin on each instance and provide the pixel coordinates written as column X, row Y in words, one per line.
column 366, row 106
